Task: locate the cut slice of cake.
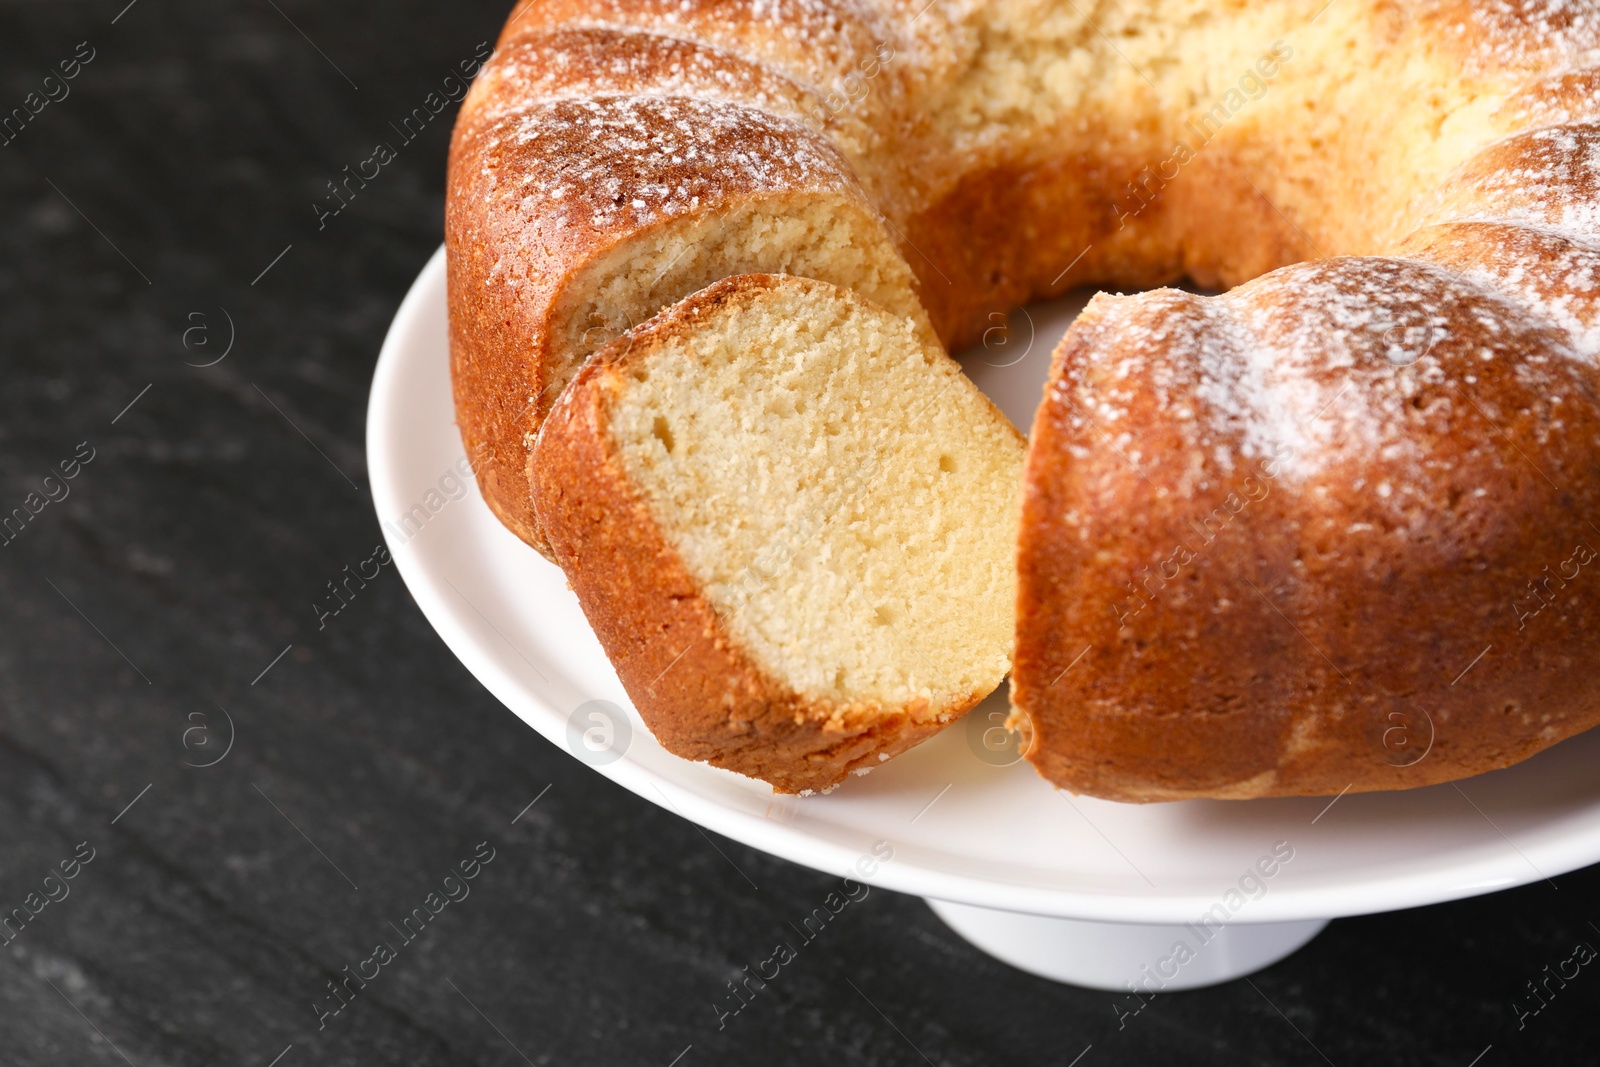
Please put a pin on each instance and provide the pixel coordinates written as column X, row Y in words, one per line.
column 791, row 521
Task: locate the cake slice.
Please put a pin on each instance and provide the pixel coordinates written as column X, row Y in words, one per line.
column 791, row 522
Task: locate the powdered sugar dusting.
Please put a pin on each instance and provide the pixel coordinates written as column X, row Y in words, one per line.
column 1547, row 178
column 1508, row 34
column 1344, row 378
column 606, row 162
column 1556, row 279
column 588, row 61
column 1571, row 95
column 811, row 41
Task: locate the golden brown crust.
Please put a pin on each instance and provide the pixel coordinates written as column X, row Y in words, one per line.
column 575, row 62
column 803, row 59
column 700, row 693
column 814, row 42
column 1547, row 178
column 1306, row 567
column 1554, row 277
column 1499, row 36
column 1552, row 99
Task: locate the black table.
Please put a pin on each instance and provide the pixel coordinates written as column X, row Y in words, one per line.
column 159, row 216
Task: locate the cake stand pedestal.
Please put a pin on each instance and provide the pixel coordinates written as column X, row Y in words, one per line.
column 1125, row 956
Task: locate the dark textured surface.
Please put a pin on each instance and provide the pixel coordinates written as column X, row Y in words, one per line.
column 206, row 926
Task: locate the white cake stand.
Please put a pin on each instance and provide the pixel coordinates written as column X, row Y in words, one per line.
column 1158, row 897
